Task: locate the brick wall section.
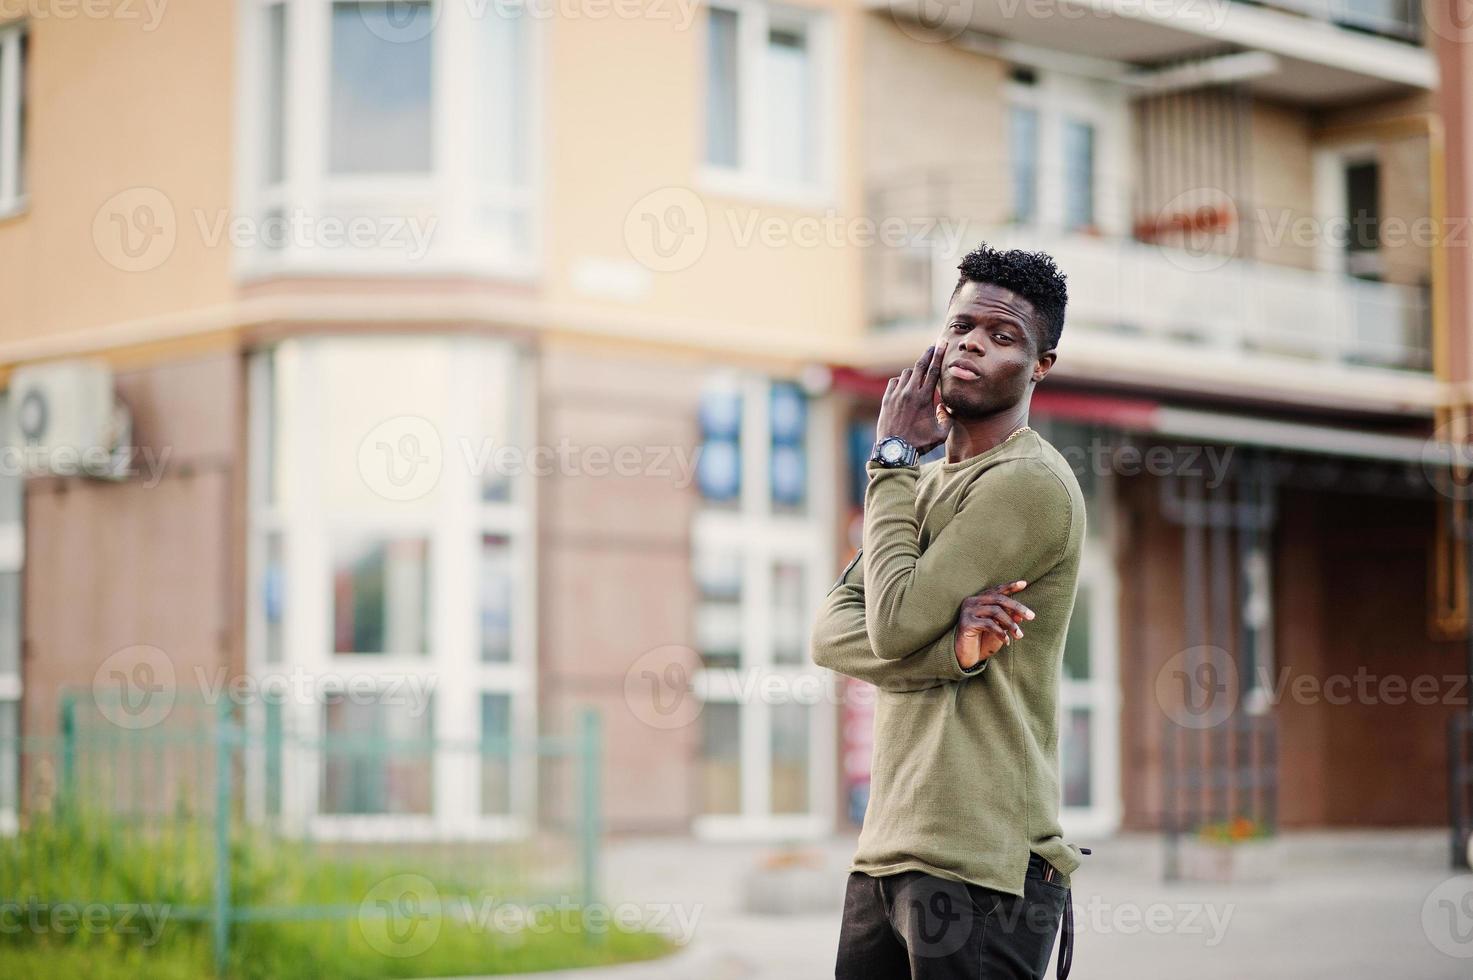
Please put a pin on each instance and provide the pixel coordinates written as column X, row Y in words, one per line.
column 150, row 561
column 614, row 576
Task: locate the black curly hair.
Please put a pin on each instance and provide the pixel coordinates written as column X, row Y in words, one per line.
column 1032, row 275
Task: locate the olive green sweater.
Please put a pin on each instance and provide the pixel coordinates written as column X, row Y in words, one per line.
column 964, row 782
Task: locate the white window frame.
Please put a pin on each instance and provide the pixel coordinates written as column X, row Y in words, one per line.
column 1057, row 97
column 452, row 661
column 12, row 97
column 450, row 191
column 764, row 538
column 1330, row 164
column 751, row 177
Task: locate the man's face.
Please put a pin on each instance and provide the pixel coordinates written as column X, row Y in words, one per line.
column 992, row 350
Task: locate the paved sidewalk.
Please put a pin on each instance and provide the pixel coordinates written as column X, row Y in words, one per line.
column 1344, row 906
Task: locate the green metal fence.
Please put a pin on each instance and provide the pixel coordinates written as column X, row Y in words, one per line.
column 227, row 817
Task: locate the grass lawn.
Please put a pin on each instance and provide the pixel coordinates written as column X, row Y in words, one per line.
column 83, row 898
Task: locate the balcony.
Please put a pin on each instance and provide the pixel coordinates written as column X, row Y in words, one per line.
column 1197, row 307
column 1398, row 19
column 1323, row 52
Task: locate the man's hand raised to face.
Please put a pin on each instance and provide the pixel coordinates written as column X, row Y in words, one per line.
column 987, row 621
column 909, row 409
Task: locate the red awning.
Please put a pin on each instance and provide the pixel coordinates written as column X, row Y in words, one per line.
column 1075, row 406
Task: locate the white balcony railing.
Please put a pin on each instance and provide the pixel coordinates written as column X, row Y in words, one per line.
column 1208, row 302
column 1400, row 19
column 1323, row 51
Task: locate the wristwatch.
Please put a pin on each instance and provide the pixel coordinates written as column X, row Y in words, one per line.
column 894, row 451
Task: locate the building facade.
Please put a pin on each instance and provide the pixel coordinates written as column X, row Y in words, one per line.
column 526, row 356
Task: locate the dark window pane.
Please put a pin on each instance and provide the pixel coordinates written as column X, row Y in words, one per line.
column 721, row 88
column 380, row 115
column 275, row 93
column 496, row 598
column 1077, row 758
column 495, row 753
column 1023, row 143
column 1079, row 174
column 377, row 758
column 790, row 758
column 380, row 595
column 721, row 758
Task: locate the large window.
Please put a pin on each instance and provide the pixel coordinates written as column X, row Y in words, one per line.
column 768, row 80
column 1065, row 141
column 12, row 118
column 391, row 134
column 760, row 559
column 395, row 573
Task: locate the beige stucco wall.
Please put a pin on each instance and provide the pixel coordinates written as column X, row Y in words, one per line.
column 113, row 106
column 1281, row 165
column 931, row 108
column 1404, row 197
column 615, row 581
column 934, row 123
column 625, row 119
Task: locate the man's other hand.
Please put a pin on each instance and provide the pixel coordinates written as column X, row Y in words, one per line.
column 988, row 621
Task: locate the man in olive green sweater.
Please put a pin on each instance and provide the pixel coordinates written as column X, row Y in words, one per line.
column 961, row 869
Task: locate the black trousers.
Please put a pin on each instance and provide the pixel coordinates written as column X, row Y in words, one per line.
column 914, row 926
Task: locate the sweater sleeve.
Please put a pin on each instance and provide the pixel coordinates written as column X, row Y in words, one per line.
column 1011, row 523
column 841, row 643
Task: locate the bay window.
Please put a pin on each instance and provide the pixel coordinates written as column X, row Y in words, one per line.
column 383, row 573
column 768, row 92
column 389, row 135
column 760, row 554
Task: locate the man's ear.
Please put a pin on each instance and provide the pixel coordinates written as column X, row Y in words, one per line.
column 1044, row 364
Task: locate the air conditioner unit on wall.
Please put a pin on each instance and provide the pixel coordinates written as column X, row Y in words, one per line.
column 64, row 420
